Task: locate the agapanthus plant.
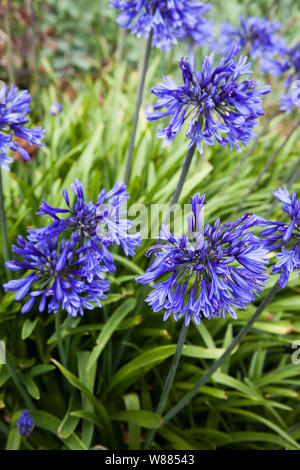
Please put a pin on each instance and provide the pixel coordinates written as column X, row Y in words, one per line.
column 99, row 225
column 285, row 235
column 25, row 423
column 256, row 34
column 56, row 275
column 169, row 20
column 217, row 105
column 208, row 273
column 14, row 108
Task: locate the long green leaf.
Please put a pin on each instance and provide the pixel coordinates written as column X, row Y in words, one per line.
column 110, row 326
column 50, row 423
column 146, row 360
column 145, row 419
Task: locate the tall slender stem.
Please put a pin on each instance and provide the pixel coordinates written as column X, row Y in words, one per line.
column 6, row 252
column 188, row 397
column 184, row 171
column 137, row 109
column 10, row 66
column 267, row 166
column 60, row 346
column 169, row 381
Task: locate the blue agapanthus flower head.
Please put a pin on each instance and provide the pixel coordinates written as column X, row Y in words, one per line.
column 14, row 108
column 293, row 60
column 254, row 33
column 288, row 62
column 285, row 235
column 290, row 101
column 208, row 273
column 25, row 423
column 57, row 273
column 215, row 102
column 99, row 225
column 169, row 20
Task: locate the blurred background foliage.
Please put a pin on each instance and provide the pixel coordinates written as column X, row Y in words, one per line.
column 75, row 54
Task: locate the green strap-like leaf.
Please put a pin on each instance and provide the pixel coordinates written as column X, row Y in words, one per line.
column 28, row 327
column 108, row 329
column 145, row 419
column 145, row 360
column 50, row 423
column 97, row 404
column 132, row 402
column 69, row 423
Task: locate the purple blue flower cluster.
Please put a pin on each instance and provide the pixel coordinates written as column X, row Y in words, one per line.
column 169, row 20
column 208, row 273
column 100, row 225
column 289, row 100
column 69, row 273
column 287, row 63
column 285, row 236
column 260, row 37
column 14, row 107
column 216, row 104
column 58, row 276
column 25, row 423
column 254, row 33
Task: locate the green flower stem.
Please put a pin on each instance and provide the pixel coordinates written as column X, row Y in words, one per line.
column 59, row 340
column 14, row 375
column 137, row 109
column 5, row 246
column 10, row 66
column 184, row 171
column 169, row 381
column 190, row 395
column 267, row 167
